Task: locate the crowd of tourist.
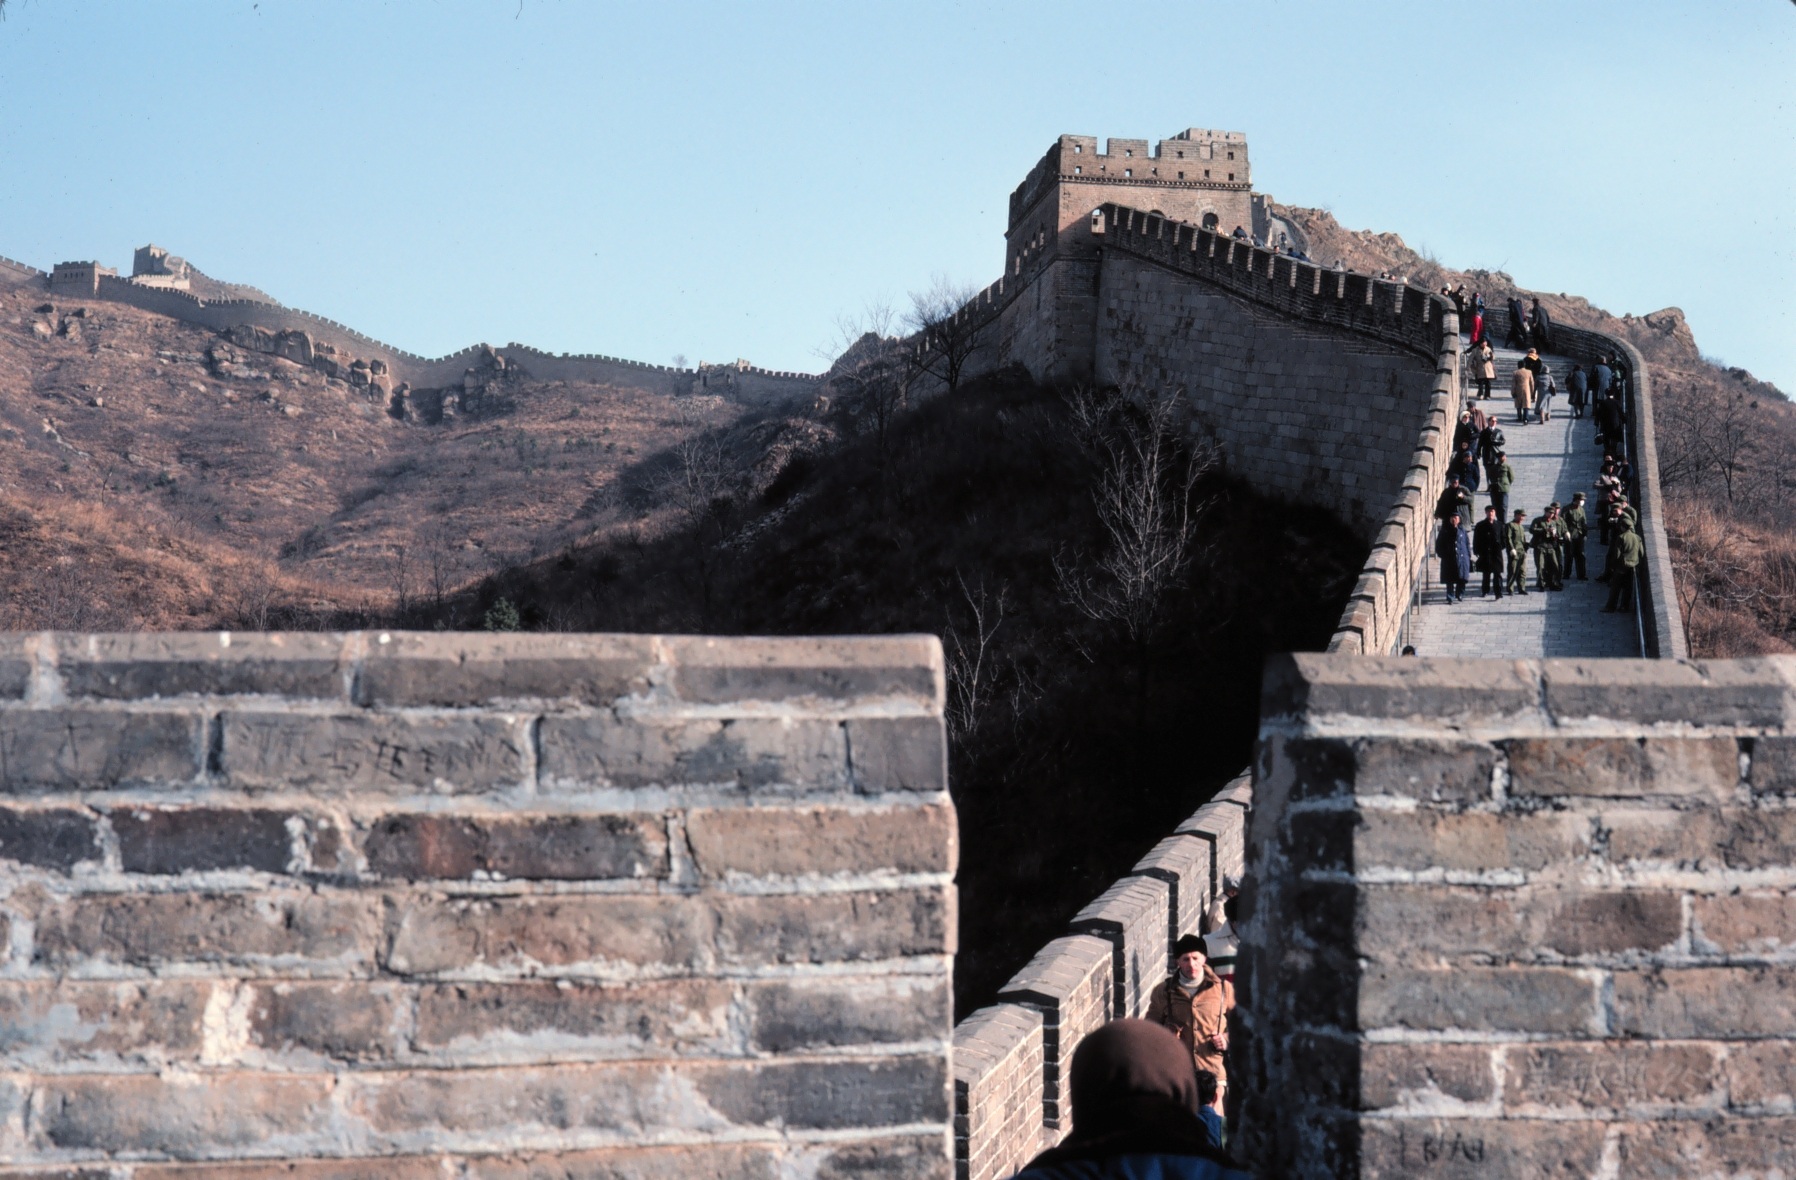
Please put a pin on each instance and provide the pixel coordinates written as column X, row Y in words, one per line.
column 1496, row 543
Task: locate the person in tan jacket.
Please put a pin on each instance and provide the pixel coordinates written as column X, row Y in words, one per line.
column 1521, row 388
column 1195, row 1004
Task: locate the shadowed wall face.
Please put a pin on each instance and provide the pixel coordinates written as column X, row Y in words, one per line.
column 1521, row 919
column 589, row 904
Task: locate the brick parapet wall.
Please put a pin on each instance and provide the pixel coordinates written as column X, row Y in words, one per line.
column 1372, row 621
column 1119, row 948
column 483, row 905
column 1512, row 919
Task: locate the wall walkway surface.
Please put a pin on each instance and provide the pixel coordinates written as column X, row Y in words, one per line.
column 1521, row 919
column 418, row 905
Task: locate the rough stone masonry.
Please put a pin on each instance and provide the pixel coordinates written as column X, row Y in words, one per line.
column 409, row 905
column 1522, row 918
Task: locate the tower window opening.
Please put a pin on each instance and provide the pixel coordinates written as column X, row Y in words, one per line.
column 1206, row 174
column 1128, row 172
column 1231, row 155
column 1077, row 148
column 1231, row 176
column 1077, row 170
column 1131, row 152
column 1181, row 176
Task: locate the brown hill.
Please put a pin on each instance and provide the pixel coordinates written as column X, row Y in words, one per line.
column 130, row 429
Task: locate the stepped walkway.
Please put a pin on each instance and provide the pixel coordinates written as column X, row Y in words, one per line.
column 1551, row 461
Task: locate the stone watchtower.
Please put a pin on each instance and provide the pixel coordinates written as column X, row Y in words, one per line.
column 1198, row 176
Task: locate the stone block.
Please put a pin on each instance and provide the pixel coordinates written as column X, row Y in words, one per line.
column 374, row 751
column 1774, row 766
column 337, row 1019
column 542, row 847
column 1406, row 922
column 570, row 1020
column 821, row 669
column 1131, row 916
column 1410, row 1074
column 198, row 839
column 1737, row 838
column 1703, row 692
column 1624, row 767
column 766, row 754
column 792, row 842
column 18, row 658
column 809, row 1015
column 555, row 1101
column 862, row 926
column 1743, row 1147
column 898, row 754
column 77, row 749
column 1581, row 1078
column 1468, row 841
column 1745, row 923
column 462, row 668
column 137, row 1115
column 1761, row 1075
column 1706, row 1001
column 386, row 1167
column 144, row 665
column 52, row 1025
column 1488, row 1149
column 1481, row 999
column 48, row 837
column 1394, row 687
column 93, row 932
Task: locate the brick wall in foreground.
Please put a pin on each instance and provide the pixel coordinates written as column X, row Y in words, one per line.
column 1519, row 919
column 509, row 906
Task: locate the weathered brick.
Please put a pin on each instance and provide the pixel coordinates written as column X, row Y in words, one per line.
column 463, row 668
column 912, row 1157
column 1468, row 841
column 780, row 841
column 1746, row 923
column 1434, row 771
column 386, row 1167
column 1623, row 767
column 1773, row 770
column 76, row 749
column 808, row 1095
column 1706, row 1002
column 1400, row 921
column 48, row 837
column 196, row 839
column 728, row 1161
column 212, row 1112
column 1400, row 1074
column 1485, row 1149
column 150, row 929
column 548, row 847
column 165, row 664
column 1700, row 692
column 349, row 751
column 1506, row 999
column 532, row 1018
column 1761, row 1074
column 787, row 1017
column 342, row 1020
column 1187, row 865
column 1610, row 1076
column 1131, row 917
column 1394, row 687
column 17, row 659
column 837, row 927
column 753, row 754
column 721, row 671
column 1704, row 838
column 1742, row 1147
column 45, row 1024
column 898, row 754
column 608, row 931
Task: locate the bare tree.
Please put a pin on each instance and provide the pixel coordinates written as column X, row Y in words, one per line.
column 1705, row 435
column 877, row 318
column 399, row 577
column 440, row 555
column 972, row 671
column 947, row 331
column 1145, row 503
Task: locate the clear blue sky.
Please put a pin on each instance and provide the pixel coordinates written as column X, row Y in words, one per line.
column 722, row 180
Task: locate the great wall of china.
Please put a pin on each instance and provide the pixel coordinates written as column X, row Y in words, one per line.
column 644, row 906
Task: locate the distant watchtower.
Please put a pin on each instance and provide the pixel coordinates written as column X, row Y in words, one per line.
column 1198, row 175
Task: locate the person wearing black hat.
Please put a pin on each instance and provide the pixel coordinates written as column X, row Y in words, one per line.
column 1195, row 1003
column 1135, row 1101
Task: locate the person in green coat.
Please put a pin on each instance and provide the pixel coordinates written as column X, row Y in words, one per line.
column 1625, row 552
column 1515, row 542
column 1502, row 478
column 1545, row 536
column 1577, row 527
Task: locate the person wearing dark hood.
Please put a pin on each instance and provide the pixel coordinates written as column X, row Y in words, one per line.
column 1541, row 324
column 1135, row 1102
column 1195, row 1003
